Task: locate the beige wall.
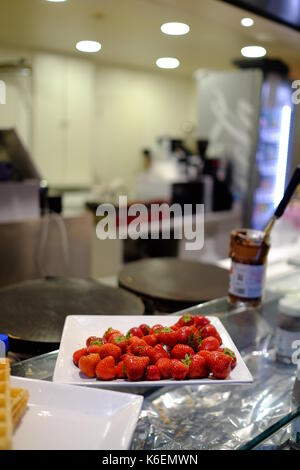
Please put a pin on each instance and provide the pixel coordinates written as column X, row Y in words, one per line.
column 64, row 121
column 87, row 123
column 18, row 109
column 133, row 108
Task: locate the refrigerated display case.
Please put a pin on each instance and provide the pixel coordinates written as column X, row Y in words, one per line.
column 272, row 155
column 246, row 115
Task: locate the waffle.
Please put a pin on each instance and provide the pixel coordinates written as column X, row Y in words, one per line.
column 19, row 398
column 6, row 427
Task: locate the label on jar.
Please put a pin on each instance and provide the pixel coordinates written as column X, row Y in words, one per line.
column 295, row 431
column 246, row 280
column 284, row 340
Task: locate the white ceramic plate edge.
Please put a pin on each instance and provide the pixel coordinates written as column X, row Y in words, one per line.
column 134, row 403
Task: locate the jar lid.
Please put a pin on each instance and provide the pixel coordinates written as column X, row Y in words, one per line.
column 256, row 237
column 290, row 305
column 4, row 339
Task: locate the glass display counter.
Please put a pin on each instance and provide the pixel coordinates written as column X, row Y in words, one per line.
column 241, row 417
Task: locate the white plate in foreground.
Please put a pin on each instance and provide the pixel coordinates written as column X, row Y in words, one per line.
column 78, row 328
column 61, row 417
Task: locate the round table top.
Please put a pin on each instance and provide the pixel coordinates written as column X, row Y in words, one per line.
column 33, row 313
column 175, row 280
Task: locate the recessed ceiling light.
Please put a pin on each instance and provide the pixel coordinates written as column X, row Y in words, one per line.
column 175, row 29
column 88, row 46
column 253, row 51
column 56, row 1
column 167, row 63
column 247, row 22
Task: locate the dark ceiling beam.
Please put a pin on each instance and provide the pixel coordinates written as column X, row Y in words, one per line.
column 266, row 9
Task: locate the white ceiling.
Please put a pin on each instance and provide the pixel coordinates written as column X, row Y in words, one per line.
column 129, row 31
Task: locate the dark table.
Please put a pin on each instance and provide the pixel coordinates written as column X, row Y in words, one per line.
column 170, row 284
column 33, row 313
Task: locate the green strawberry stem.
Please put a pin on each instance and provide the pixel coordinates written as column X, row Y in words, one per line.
column 120, row 339
column 187, row 360
column 187, row 317
column 96, row 343
column 129, row 334
column 229, row 352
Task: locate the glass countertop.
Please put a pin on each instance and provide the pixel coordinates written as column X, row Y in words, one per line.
column 255, row 416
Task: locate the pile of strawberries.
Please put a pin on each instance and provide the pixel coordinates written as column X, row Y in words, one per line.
column 189, row 349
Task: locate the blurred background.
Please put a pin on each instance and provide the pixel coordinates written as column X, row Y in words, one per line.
column 86, row 122
column 161, row 101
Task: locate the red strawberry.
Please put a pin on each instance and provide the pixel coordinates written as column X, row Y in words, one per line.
column 186, row 320
column 179, row 370
column 210, row 330
column 155, row 329
column 118, row 340
column 110, row 349
column 78, row 354
column 130, row 351
column 194, row 340
column 152, row 340
column 109, row 332
column 120, row 370
column 200, row 321
column 175, row 327
column 209, row 344
column 231, row 354
column 220, row 364
column 159, row 352
column 206, row 355
column 94, row 340
column 198, row 368
column 87, row 364
column 145, row 329
column 152, row 373
column 124, row 355
column 137, row 347
column 155, row 353
column 164, row 366
column 106, row 369
column 148, row 351
column 94, row 349
column 135, row 367
column 185, row 334
column 181, row 350
column 134, row 339
column 197, row 340
column 135, row 332
column 168, row 337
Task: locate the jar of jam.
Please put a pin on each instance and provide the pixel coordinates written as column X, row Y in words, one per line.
column 248, row 252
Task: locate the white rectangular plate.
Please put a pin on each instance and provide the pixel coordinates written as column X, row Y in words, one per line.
column 78, row 328
column 62, row 417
